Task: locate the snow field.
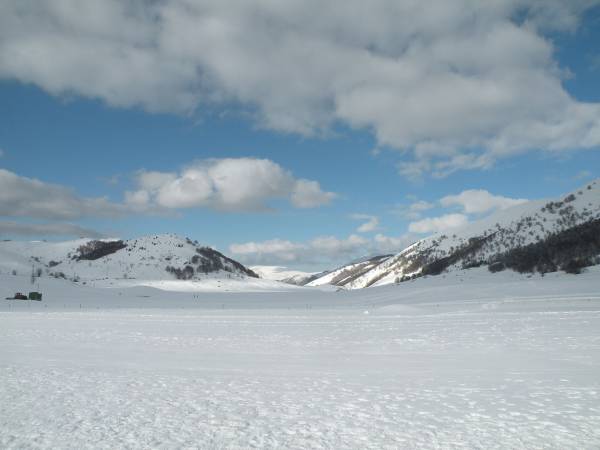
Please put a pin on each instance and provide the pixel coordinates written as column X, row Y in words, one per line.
column 479, row 362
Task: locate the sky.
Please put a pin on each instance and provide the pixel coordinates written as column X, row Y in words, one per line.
column 297, row 133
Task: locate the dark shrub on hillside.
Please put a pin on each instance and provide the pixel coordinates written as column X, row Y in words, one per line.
column 438, row 266
column 181, row 274
column 496, row 267
column 213, row 261
column 575, row 265
column 472, row 264
column 566, row 249
column 97, row 249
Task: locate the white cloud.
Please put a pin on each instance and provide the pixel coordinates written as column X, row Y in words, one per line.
column 152, row 180
column 274, row 249
column 476, row 201
column 46, row 229
column 333, row 246
column 323, row 250
column 438, row 224
column 231, row 184
column 137, row 200
column 371, row 224
column 28, row 197
column 420, row 206
column 308, row 194
column 472, row 201
column 391, row 244
column 242, row 184
column 413, row 211
column 457, row 84
column 320, row 249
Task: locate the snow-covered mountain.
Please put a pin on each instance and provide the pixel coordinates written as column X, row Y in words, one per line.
column 346, row 274
column 283, row 274
column 159, row 257
column 543, row 236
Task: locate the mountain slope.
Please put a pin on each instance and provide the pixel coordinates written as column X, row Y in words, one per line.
column 283, row 274
column 160, row 257
column 346, row 274
column 534, row 226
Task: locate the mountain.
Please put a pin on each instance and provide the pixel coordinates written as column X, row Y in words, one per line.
column 348, row 273
column 537, row 236
column 159, row 257
column 283, row 274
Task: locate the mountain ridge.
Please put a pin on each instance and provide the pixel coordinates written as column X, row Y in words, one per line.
column 487, row 241
column 155, row 257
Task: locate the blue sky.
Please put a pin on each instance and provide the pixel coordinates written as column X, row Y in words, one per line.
column 333, row 151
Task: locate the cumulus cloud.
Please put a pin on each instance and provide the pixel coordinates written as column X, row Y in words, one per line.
column 230, row 184
column 328, row 250
column 333, row 246
column 281, row 250
column 413, row 211
column 391, row 244
column 438, row 224
column 457, row 85
column 242, row 184
column 308, row 194
column 371, row 224
column 476, row 201
column 47, row 229
column 28, row 197
column 420, row 206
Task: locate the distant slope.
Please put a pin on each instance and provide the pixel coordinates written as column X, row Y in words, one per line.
column 283, row 274
column 159, row 257
column 345, row 275
column 542, row 228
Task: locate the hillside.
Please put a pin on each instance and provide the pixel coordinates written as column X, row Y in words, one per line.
column 537, row 236
column 159, row 257
column 346, row 274
column 283, row 274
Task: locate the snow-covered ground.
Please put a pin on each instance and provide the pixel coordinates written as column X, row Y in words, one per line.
column 464, row 360
column 280, row 273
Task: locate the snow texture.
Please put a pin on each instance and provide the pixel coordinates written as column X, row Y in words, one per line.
column 462, row 360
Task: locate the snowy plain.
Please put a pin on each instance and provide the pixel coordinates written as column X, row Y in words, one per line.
column 463, row 360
